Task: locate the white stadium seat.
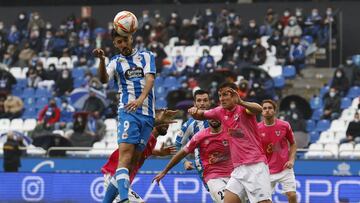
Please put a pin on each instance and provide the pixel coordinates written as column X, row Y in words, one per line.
column 16, row 124
column 4, row 124
column 190, row 51
column 337, row 124
column 331, row 150
column 67, row 61
column 356, row 153
column 111, row 124
column 51, row 60
column 200, row 50
column 16, row 72
column 32, row 150
column 315, row 151
column 176, row 49
column 346, row 150
column 326, row 137
column 29, row 125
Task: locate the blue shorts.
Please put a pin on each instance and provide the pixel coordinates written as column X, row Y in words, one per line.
column 134, row 128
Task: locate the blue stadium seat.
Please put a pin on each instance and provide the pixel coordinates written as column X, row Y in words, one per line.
column 41, row 102
column 42, row 92
column 316, row 103
column 160, row 103
column 323, row 125
column 279, row 82
column 289, row 71
column 314, row 136
column 353, row 92
column 78, row 73
column 30, row 113
column 28, row 92
column 159, row 81
column 325, row 89
column 170, row 81
column 17, row 91
column 21, row 83
column 317, row 114
column 78, row 82
column 345, row 102
column 160, row 92
column 94, row 71
column 310, row 125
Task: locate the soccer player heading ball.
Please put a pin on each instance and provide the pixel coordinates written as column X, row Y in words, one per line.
column 135, row 74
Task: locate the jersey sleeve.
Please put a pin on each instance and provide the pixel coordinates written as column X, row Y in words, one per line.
column 290, row 134
column 183, row 135
column 213, row 113
column 149, row 63
column 110, row 69
column 193, row 143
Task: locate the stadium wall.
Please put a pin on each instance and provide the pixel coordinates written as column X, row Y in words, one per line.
column 104, row 14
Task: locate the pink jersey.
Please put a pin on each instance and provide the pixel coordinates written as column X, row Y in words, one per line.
column 245, row 142
column 275, row 140
column 214, row 153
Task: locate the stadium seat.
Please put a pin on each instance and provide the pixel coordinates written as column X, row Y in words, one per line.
column 289, row 71
column 326, row 137
column 315, row 151
column 17, row 91
column 29, row 125
column 42, row 92
column 32, row 150
column 21, row 83
column 160, row 103
column 337, row 125
column 275, row 70
column 348, row 114
column 279, row 82
column 78, row 82
column 4, row 124
column 339, row 134
column 160, row 92
column 59, row 132
column 310, row 125
column 325, row 89
column 316, row 103
column 356, row 153
column 314, row 136
column 190, row 61
column 23, row 72
column 356, row 60
column 172, row 41
column 168, row 49
column 353, row 92
column 99, row 145
column 30, row 112
column 16, row 124
column 316, row 115
column 41, row 102
column 345, row 102
column 78, row 72
column 190, row 51
column 16, row 72
column 331, row 151
column 159, row 81
column 171, row 81
column 111, row 124
column 346, row 150
column 94, row 71
column 176, row 49
column 28, row 92
column 355, row 102
column 216, row 52
column 112, row 146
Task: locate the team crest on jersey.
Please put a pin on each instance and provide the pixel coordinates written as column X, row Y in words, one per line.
column 277, row 132
column 121, row 60
column 134, row 73
column 124, row 136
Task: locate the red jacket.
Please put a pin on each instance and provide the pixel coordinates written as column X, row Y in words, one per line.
column 55, row 117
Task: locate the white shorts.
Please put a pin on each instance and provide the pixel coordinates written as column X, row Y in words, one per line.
column 133, row 196
column 252, row 180
column 217, row 188
column 287, row 180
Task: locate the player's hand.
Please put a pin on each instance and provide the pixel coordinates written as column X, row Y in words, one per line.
column 133, row 105
column 158, row 177
column 193, row 110
column 188, row 165
column 289, row 164
column 99, row 53
column 165, row 117
column 164, row 151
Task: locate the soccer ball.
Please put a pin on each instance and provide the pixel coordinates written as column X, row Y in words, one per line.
column 125, row 23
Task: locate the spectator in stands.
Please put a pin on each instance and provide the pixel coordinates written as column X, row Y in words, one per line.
column 243, row 89
column 297, row 122
column 340, row 82
column 256, row 93
column 243, row 53
column 252, row 31
column 52, row 73
column 50, row 114
column 14, row 35
column 7, row 59
column 332, row 101
column 299, row 17
column 95, row 127
column 258, row 56
column 293, row 113
column 284, row 20
column 40, row 70
column 7, row 80
column 178, row 63
column 78, row 137
column 211, row 34
column 64, row 84
column 36, row 21
column 95, row 83
column 329, row 19
column 297, row 55
column 313, row 24
column 13, row 106
column 33, row 78
column 282, row 52
column 67, row 111
column 25, row 55
column 93, row 104
column 187, row 33
column 292, row 29
column 2, row 109
column 353, row 131
column 35, row 40
column 206, row 62
column 158, row 49
column 47, row 43
column 228, row 51
column 12, row 153
column 270, row 21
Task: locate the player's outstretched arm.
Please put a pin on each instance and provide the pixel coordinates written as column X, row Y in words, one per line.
column 165, row 117
column 149, row 83
column 175, row 160
column 252, row 107
column 164, row 151
column 196, row 113
column 99, row 53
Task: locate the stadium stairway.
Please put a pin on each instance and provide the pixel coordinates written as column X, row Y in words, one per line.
column 309, row 84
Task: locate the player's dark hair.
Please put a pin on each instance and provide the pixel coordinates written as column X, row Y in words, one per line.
column 199, row 92
column 270, row 102
column 228, row 84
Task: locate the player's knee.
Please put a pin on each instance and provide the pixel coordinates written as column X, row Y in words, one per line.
column 291, row 195
column 231, row 197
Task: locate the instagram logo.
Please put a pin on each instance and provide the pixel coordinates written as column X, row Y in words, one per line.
column 97, row 189
column 32, row 188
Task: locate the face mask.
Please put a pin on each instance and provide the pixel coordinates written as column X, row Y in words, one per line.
column 1, row 26
column 245, row 43
column 279, row 27
column 252, row 25
column 230, row 41
column 292, row 22
column 292, row 106
column 13, row 29
column 256, row 85
column 286, row 14
column 145, row 16
column 298, row 13
column 36, row 17
column 173, row 15
column 232, row 15
column 332, row 94
column 65, row 75
column 64, row 105
column 21, row 16
column 295, row 116
column 208, row 12
column 338, row 75
column 48, row 26
column 349, row 62
column 157, row 15
column 328, row 12
column 314, row 13
column 206, row 54
column 48, row 35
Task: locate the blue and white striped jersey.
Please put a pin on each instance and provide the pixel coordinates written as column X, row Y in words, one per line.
column 188, row 130
column 130, row 73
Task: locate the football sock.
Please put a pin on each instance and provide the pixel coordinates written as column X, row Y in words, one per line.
column 123, row 182
column 111, row 193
